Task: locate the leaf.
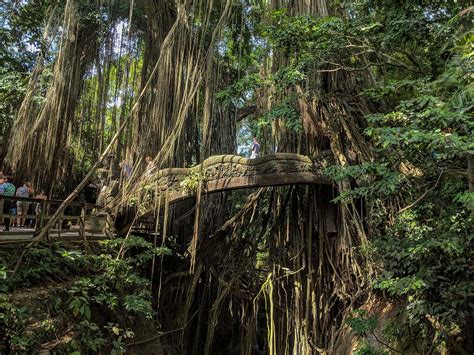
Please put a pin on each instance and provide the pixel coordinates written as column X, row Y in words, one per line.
column 87, row 312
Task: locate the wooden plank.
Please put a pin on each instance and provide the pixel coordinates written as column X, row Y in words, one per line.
column 64, row 238
column 97, row 223
column 49, row 202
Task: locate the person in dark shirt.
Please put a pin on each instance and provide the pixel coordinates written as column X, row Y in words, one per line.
column 7, row 189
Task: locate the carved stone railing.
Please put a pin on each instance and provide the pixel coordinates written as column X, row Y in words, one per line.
column 230, row 172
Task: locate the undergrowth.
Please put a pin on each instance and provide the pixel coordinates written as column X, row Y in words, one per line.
column 68, row 299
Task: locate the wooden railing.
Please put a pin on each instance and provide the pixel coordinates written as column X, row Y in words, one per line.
column 80, row 219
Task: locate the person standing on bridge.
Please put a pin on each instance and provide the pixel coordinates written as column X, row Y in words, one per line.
column 22, row 206
column 38, row 205
column 7, row 189
column 255, row 148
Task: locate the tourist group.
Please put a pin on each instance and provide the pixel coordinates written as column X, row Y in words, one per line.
column 19, row 209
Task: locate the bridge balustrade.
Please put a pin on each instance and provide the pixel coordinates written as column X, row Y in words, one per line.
column 80, row 220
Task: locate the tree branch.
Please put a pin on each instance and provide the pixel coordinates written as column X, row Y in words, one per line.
column 423, row 195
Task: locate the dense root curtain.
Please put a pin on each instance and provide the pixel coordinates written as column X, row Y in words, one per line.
column 39, row 141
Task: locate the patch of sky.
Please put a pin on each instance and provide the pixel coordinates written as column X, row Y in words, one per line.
column 244, row 138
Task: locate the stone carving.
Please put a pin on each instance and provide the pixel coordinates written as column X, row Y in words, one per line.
column 227, row 172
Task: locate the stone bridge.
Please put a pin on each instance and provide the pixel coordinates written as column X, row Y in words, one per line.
column 215, row 174
column 230, row 172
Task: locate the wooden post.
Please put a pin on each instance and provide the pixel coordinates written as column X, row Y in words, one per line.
column 39, row 224
column 108, row 226
column 82, row 221
column 60, row 224
column 1, row 208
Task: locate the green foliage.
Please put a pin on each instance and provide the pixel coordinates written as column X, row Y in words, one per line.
column 118, row 345
column 11, row 94
column 79, row 301
column 373, row 179
column 425, row 254
column 45, row 263
column 146, row 248
column 421, row 130
column 90, row 337
column 426, row 260
column 301, row 35
column 21, row 33
column 392, row 330
column 285, row 111
column 3, row 275
column 415, row 61
column 108, row 285
column 20, row 39
column 118, row 286
column 363, row 323
column 193, row 179
column 239, row 90
column 365, row 348
column 15, row 323
column 93, row 336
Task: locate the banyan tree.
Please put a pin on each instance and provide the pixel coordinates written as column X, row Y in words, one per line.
column 158, row 85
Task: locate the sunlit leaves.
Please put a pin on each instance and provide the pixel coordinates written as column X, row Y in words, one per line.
column 297, row 34
column 286, row 112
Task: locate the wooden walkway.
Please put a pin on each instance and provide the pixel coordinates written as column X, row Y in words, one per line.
column 26, row 234
column 80, row 221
